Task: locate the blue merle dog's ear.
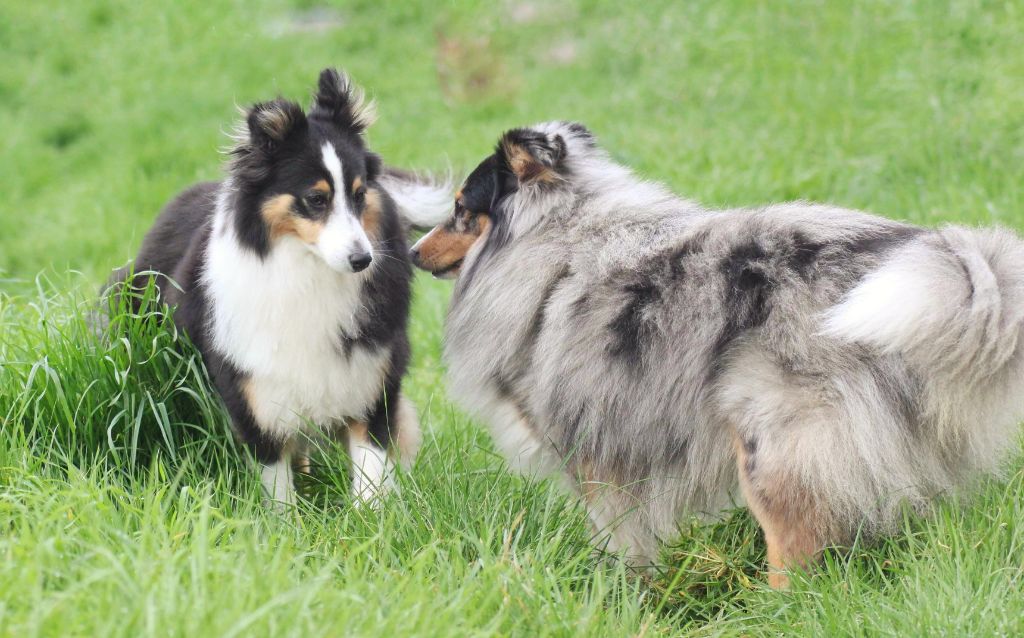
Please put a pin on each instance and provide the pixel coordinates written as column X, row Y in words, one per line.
column 271, row 123
column 342, row 102
column 533, row 156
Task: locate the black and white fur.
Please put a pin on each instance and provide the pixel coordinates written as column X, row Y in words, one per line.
column 297, row 300
column 664, row 359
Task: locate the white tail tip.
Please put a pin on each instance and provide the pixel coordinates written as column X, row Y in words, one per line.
column 420, row 203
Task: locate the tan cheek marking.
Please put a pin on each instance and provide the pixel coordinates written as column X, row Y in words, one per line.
column 445, row 248
column 281, row 219
column 483, row 222
column 432, row 248
column 277, row 213
column 370, row 218
column 308, row 230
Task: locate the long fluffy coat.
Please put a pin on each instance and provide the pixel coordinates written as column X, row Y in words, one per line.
column 658, row 355
column 291, row 278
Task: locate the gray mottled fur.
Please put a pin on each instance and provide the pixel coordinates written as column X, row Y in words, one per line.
column 627, row 341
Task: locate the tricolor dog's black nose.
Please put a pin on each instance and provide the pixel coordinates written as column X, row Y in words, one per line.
column 360, row 261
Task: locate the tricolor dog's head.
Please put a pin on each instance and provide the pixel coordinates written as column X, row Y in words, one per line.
column 529, row 174
column 308, row 177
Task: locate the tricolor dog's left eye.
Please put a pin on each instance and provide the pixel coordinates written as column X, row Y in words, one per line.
column 359, row 197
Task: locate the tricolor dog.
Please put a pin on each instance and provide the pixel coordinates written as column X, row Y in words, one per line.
column 293, row 281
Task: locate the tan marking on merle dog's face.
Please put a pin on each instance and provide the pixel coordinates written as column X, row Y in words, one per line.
column 442, row 250
column 478, row 208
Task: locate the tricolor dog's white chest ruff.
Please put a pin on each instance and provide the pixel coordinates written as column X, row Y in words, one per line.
column 281, row 320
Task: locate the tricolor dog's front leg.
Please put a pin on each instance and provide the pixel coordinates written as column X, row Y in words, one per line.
column 254, row 424
column 390, row 434
column 371, row 467
column 278, row 483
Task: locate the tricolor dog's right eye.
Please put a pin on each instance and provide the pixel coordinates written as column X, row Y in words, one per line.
column 317, row 200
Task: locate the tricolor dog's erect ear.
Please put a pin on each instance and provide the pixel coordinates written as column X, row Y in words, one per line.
column 339, row 100
column 531, row 155
column 271, row 123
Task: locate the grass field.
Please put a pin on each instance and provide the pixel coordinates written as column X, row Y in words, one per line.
column 125, row 508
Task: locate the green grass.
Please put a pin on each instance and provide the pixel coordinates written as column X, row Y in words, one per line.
column 125, row 507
